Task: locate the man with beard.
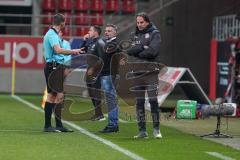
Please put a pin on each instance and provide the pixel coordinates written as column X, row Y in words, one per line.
column 145, row 49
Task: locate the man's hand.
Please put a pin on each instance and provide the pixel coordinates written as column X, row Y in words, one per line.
column 77, row 51
column 82, row 50
column 86, row 36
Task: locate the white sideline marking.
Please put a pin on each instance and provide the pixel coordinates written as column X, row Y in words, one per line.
column 220, row 156
column 16, row 130
column 82, row 130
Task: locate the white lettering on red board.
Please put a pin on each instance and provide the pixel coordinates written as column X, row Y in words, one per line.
column 27, row 53
column 6, row 53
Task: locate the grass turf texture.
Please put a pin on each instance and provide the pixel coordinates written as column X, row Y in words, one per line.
column 21, row 138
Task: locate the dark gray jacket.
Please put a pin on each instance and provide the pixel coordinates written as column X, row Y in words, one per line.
column 96, row 48
column 145, row 44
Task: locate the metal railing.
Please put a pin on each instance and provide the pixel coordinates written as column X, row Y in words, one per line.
column 225, row 27
column 35, row 25
column 29, row 22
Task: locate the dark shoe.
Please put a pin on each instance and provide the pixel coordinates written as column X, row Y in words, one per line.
column 108, row 129
column 62, row 129
column 98, row 118
column 141, row 135
column 51, row 129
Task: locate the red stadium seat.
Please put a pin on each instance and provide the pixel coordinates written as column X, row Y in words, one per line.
column 82, row 18
column 67, row 32
column 48, row 17
column 45, row 29
column 82, row 31
column 68, row 16
column 97, row 19
column 65, row 5
column 128, row 6
column 49, row 5
column 97, row 5
column 82, row 5
column 78, row 32
column 112, row 6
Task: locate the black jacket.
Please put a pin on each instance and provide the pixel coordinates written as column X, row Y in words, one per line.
column 145, row 44
column 96, row 48
column 111, row 48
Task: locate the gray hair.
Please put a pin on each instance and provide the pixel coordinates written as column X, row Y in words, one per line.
column 115, row 28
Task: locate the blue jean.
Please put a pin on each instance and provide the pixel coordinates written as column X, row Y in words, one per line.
column 111, row 98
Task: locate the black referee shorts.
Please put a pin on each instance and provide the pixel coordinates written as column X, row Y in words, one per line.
column 54, row 75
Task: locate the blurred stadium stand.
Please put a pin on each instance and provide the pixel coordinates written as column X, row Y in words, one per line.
column 80, row 15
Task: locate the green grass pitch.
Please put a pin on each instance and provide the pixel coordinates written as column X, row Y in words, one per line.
column 21, row 138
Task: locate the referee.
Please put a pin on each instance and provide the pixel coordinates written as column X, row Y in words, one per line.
column 54, row 73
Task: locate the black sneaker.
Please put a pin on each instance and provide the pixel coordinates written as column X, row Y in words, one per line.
column 141, row 135
column 63, row 129
column 98, row 118
column 51, row 129
column 108, row 129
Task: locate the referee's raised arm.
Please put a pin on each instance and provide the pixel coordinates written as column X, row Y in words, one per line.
column 60, row 50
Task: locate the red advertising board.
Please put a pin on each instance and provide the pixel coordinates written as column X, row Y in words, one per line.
column 28, row 52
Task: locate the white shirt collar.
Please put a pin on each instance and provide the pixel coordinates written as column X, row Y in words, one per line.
column 110, row 40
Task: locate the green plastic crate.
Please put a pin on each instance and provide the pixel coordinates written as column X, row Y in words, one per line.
column 186, row 109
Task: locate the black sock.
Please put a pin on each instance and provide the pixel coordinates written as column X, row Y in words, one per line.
column 58, row 114
column 98, row 110
column 48, row 114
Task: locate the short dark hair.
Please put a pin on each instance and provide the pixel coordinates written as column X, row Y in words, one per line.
column 113, row 26
column 58, row 19
column 97, row 29
column 144, row 16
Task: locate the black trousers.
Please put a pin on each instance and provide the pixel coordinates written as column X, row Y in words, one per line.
column 148, row 84
column 94, row 91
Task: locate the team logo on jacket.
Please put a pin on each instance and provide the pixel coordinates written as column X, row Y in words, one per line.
column 137, row 42
column 93, row 46
column 147, row 35
column 111, row 47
